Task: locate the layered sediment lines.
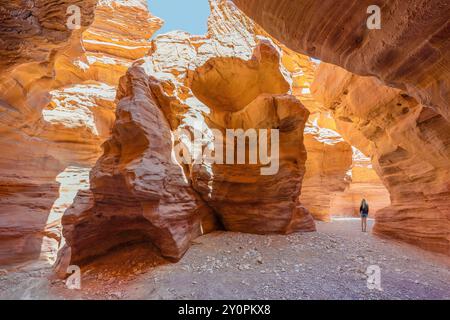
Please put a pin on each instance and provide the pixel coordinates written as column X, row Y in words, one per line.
column 409, row 147
column 191, row 82
column 57, row 95
column 404, row 130
column 138, row 191
column 33, row 31
column 245, row 198
column 410, row 51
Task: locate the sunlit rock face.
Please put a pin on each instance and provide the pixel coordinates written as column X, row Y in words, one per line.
column 57, row 108
column 336, row 179
column 409, row 147
column 218, row 58
column 217, row 78
column 411, row 51
column 338, row 176
column 139, row 172
column 175, row 55
column 252, row 95
column 364, row 183
column 138, row 191
column 405, row 133
column 31, row 31
column 329, row 159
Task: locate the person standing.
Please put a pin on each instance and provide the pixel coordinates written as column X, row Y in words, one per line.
column 364, row 211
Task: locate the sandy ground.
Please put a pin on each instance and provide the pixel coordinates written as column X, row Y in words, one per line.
column 328, row 264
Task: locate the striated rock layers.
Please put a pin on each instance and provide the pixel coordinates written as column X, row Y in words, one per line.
column 405, row 132
column 329, row 159
column 57, row 94
column 140, row 189
column 364, row 184
column 246, row 199
column 409, row 147
column 411, row 51
column 32, row 31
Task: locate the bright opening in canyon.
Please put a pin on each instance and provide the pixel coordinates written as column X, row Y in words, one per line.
column 137, row 136
column 181, row 15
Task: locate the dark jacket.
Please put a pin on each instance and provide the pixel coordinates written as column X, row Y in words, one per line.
column 364, row 209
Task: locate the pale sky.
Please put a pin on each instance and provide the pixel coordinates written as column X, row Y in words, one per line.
column 187, row 15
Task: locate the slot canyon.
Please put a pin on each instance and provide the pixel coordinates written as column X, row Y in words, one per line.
column 98, row 169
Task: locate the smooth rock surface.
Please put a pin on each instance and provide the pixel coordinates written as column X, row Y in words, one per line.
column 57, row 108
column 409, row 147
column 410, row 51
column 138, row 191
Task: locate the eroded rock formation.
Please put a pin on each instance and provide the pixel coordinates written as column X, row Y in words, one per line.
column 409, row 147
column 231, row 34
column 58, row 106
column 245, row 199
column 329, row 159
column 364, row 184
column 183, row 78
column 33, row 31
column 405, row 133
column 57, row 94
column 408, row 52
column 138, row 191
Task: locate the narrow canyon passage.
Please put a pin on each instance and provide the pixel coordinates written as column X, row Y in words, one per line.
column 329, row 264
column 113, row 139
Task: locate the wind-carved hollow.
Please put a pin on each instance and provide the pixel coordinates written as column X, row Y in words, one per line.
column 230, row 83
column 57, row 91
column 408, row 129
column 138, row 193
column 253, row 96
column 409, row 150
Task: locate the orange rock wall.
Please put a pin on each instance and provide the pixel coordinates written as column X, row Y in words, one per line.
column 138, row 192
column 244, row 198
column 409, row 52
column 408, row 144
column 405, row 133
column 57, row 101
column 174, row 70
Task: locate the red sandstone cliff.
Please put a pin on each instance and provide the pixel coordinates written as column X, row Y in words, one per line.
column 405, row 132
column 408, row 144
column 57, row 92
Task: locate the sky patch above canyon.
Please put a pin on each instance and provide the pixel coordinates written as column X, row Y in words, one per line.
column 173, row 12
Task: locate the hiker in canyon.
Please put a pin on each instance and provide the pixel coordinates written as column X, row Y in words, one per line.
column 364, row 211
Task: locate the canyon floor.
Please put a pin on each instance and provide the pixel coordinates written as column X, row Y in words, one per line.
column 328, row 264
